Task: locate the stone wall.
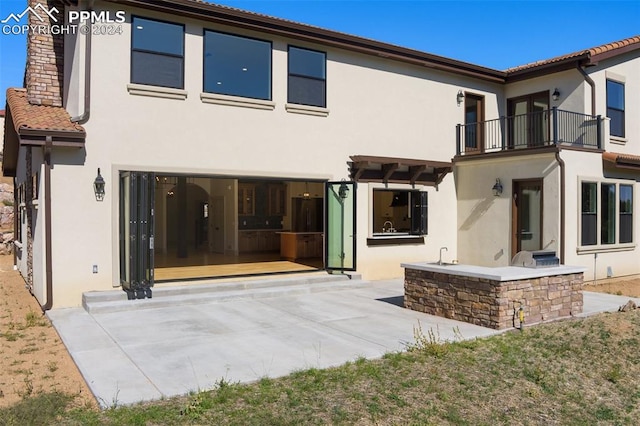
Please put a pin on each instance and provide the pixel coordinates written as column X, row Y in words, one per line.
column 491, row 303
column 6, row 218
column 45, row 55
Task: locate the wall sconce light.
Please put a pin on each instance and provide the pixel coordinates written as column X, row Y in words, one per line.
column 555, row 95
column 460, row 97
column 343, row 191
column 98, row 186
column 497, row 188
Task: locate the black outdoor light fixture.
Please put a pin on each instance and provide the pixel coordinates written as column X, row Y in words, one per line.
column 556, row 94
column 497, row 188
column 343, row 191
column 98, row 186
column 460, row 97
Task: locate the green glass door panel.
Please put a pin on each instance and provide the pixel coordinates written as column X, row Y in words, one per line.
column 340, row 226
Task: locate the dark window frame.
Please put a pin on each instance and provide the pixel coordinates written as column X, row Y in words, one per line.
column 307, row 77
column 625, row 216
column 418, row 226
column 616, row 109
column 169, row 55
column 589, row 226
column 597, row 229
column 204, row 52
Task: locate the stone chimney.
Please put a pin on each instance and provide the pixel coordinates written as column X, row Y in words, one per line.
column 45, row 54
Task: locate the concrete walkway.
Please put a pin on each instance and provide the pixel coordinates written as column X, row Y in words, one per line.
column 135, row 355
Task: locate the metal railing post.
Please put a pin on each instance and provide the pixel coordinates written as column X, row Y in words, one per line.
column 458, row 138
column 599, row 131
column 554, row 116
column 503, row 133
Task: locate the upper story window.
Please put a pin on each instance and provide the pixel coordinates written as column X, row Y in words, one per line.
column 607, row 213
column 157, row 53
column 307, row 77
column 615, row 107
column 237, row 66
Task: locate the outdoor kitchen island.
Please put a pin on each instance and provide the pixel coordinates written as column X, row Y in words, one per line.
column 492, row 297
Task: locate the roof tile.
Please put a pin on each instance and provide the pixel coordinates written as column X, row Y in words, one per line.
column 38, row 117
column 608, row 47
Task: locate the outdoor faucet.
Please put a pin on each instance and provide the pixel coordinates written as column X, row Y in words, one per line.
column 390, row 228
column 440, row 260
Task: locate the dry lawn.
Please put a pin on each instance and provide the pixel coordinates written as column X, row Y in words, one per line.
column 33, row 360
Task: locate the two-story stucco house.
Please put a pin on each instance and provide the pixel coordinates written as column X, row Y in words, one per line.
column 193, row 141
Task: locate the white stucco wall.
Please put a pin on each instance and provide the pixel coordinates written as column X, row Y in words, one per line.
column 622, row 260
column 485, row 221
column 376, row 107
column 625, row 69
column 2, row 129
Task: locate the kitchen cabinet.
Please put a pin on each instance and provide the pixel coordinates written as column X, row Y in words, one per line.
column 277, row 194
column 301, row 245
column 246, row 199
column 261, row 240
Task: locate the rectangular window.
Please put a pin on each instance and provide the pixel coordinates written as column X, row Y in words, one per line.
column 615, row 107
column 626, row 213
column 237, row 66
column 307, row 77
column 606, row 213
column 589, row 213
column 157, row 53
column 399, row 212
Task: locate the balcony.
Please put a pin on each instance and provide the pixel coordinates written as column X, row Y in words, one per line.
column 534, row 130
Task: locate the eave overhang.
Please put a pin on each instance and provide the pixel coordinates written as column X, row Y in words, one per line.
column 622, row 161
column 224, row 15
column 35, row 125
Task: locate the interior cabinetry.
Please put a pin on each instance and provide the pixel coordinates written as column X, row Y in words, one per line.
column 301, row 245
column 277, row 199
column 258, row 241
column 246, row 199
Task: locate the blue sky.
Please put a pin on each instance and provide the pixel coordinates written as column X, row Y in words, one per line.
column 496, row 34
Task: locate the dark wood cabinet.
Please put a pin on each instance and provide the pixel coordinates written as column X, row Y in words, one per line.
column 246, row 199
column 258, row 241
column 277, row 194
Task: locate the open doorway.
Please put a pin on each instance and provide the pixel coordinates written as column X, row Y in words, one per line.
column 209, row 227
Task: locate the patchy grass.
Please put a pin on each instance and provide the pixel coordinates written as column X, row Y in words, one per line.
column 571, row 372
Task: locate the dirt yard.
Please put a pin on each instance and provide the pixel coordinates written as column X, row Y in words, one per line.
column 32, row 357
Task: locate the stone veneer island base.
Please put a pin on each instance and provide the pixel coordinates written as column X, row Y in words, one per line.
column 491, row 297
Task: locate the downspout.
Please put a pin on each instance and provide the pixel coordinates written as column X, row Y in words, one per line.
column 47, row 220
column 562, row 205
column 81, row 119
column 591, row 83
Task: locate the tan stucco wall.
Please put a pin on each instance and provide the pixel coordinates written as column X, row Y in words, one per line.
column 484, row 220
column 1, row 130
column 376, row 107
column 624, row 68
column 581, row 165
